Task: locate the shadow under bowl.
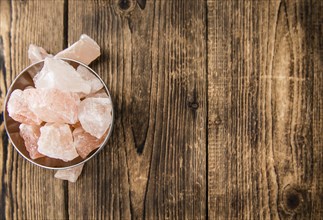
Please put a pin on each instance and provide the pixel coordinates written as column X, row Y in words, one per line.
column 24, row 79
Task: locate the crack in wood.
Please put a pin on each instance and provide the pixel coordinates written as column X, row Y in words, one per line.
column 142, row 4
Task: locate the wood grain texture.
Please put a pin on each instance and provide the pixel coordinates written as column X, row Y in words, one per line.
column 153, row 61
column 25, row 189
column 265, row 100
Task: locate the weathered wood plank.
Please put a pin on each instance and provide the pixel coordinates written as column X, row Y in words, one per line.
column 153, row 62
column 27, row 192
column 177, row 180
column 5, row 65
column 104, row 181
column 265, row 101
column 314, row 63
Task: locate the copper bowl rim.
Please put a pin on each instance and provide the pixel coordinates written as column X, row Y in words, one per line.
column 9, row 91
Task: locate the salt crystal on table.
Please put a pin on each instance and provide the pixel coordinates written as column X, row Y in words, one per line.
column 36, row 54
column 88, row 76
column 30, row 134
column 70, row 174
column 56, row 141
column 84, row 142
column 59, row 74
column 18, row 109
column 53, row 105
column 84, row 50
column 95, row 115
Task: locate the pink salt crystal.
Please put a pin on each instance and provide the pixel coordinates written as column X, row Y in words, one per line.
column 84, row 50
column 88, row 76
column 30, row 134
column 18, row 109
column 29, row 87
column 95, row 115
column 84, row 142
column 70, row 174
column 56, row 141
column 53, row 105
column 58, row 74
column 36, row 54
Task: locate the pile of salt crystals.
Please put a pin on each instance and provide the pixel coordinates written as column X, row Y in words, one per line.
column 68, row 113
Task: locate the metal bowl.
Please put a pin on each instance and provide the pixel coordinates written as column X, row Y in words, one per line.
column 24, row 79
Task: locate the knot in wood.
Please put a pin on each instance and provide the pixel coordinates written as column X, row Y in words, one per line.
column 124, row 7
column 300, row 140
column 217, row 120
column 124, row 4
column 193, row 105
column 292, row 199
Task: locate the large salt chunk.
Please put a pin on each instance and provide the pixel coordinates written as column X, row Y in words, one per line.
column 93, row 81
column 56, row 141
column 95, row 115
column 36, row 54
column 70, row 174
column 53, row 105
column 30, row 134
column 84, row 142
column 18, row 109
column 84, row 50
column 58, row 74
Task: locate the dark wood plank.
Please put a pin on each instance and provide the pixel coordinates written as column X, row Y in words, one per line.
column 4, row 69
column 265, row 100
column 177, row 183
column 155, row 66
column 27, row 192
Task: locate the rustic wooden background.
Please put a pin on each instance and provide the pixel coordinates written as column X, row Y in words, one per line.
column 219, row 109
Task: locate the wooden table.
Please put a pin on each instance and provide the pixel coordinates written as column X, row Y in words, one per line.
column 219, row 109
